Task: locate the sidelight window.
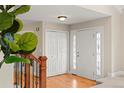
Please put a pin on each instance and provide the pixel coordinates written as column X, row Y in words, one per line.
column 74, row 51
column 98, row 53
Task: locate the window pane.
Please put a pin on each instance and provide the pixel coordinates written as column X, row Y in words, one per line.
column 74, row 52
column 98, row 53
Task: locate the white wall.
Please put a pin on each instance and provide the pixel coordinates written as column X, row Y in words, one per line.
column 6, row 74
column 59, row 27
column 104, row 22
column 115, row 32
column 122, row 40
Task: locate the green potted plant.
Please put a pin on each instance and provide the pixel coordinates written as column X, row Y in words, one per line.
column 12, row 43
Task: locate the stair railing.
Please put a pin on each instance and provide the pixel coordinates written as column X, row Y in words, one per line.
column 31, row 75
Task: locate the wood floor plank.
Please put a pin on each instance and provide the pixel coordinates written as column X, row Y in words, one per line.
column 69, row 81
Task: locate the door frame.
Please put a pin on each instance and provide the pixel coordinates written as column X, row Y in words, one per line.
column 72, row 32
column 68, row 45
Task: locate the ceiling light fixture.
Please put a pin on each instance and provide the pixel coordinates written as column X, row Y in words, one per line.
column 62, row 18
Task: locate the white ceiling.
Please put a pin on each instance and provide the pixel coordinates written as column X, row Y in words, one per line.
column 49, row 13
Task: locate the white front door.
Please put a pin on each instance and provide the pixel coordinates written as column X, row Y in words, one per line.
column 88, row 54
column 56, row 51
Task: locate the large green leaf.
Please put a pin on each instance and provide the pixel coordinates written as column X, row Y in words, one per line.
column 15, row 59
column 17, row 37
column 14, row 47
column 28, row 41
column 6, row 21
column 26, row 52
column 20, row 23
column 22, row 9
column 16, row 27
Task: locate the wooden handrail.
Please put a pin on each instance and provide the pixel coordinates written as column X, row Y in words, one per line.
column 41, row 61
column 30, row 56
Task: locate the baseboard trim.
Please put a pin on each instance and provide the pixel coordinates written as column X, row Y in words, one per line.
column 117, row 73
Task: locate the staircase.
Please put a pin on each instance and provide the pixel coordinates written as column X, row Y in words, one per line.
column 31, row 75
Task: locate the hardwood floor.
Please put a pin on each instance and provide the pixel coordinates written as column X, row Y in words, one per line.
column 69, row 81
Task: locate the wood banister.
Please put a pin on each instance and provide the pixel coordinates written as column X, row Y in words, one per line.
column 27, row 74
column 42, row 69
column 41, row 75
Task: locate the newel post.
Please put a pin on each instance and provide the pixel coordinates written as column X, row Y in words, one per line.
column 42, row 83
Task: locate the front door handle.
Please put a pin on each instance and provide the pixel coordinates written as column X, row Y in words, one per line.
column 77, row 54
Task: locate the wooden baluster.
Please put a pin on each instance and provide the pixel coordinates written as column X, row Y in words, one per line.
column 36, row 74
column 42, row 70
column 15, row 75
column 40, row 81
column 27, row 75
column 30, row 79
column 24, row 75
column 33, row 74
column 21, row 75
